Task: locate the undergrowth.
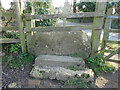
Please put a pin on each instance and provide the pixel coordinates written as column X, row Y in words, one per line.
column 11, row 35
column 99, row 66
column 14, row 57
column 76, row 83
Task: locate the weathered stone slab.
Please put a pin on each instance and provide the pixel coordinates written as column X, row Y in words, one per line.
column 59, row 43
column 59, row 61
column 61, row 73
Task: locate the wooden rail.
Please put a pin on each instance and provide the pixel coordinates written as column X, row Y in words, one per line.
column 74, row 15
column 109, row 51
column 7, row 40
column 62, row 28
column 10, row 28
column 7, row 14
column 113, row 42
column 113, row 53
column 115, row 30
column 112, row 60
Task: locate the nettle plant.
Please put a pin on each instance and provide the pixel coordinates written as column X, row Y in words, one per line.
column 15, row 48
column 14, row 57
column 99, row 66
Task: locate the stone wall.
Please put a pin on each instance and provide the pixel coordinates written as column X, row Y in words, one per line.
column 60, row 43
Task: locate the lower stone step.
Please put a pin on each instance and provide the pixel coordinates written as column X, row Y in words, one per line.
column 61, row 73
column 59, row 61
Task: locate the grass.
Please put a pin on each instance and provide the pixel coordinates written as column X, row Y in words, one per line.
column 96, row 64
column 14, row 57
column 75, row 83
column 19, row 61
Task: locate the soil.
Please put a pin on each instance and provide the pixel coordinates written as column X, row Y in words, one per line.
column 110, row 80
column 21, row 78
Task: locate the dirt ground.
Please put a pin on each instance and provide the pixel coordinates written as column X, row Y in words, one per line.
column 22, row 79
column 110, row 80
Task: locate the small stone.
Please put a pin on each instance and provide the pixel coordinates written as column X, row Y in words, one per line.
column 23, row 68
column 12, row 85
column 103, row 84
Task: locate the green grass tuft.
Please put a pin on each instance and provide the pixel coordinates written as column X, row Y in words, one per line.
column 14, row 56
column 99, row 66
column 19, row 61
column 75, row 83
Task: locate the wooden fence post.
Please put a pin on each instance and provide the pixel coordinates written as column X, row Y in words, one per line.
column 33, row 11
column 20, row 26
column 29, row 24
column 106, row 31
column 98, row 21
column 28, row 34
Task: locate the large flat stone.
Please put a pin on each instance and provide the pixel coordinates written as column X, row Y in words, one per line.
column 61, row 73
column 59, row 43
column 59, row 61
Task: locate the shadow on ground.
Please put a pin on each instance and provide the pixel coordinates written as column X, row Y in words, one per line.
column 109, row 80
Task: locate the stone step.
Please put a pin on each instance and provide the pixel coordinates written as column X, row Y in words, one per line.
column 61, row 73
column 59, row 61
